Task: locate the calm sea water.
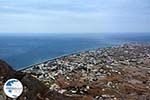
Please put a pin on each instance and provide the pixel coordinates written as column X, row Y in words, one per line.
column 22, row 51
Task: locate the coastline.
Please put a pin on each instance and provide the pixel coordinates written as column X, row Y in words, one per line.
column 81, row 51
column 45, row 61
column 66, row 55
column 118, row 72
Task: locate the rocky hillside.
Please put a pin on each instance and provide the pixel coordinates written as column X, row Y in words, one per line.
column 33, row 88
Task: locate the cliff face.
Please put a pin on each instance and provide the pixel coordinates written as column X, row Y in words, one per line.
column 33, row 88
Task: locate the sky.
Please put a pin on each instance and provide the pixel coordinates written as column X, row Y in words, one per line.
column 74, row 16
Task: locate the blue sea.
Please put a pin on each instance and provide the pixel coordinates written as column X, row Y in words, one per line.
column 22, row 51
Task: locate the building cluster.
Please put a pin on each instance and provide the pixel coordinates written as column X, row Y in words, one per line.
column 113, row 73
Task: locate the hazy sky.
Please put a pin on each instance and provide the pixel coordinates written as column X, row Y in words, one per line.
column 74, row 16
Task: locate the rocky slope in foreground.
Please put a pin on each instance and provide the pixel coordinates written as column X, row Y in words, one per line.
column 116, row 73
column 33, row 88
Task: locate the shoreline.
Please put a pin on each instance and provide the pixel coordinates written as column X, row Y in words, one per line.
column 51, row 59
column 65, row 55
column 81, row 51
column 48, row 60
column 102, row 73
